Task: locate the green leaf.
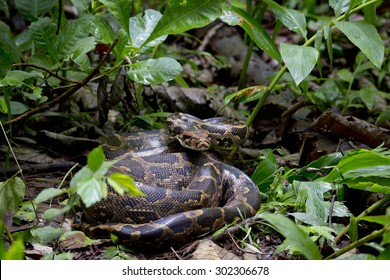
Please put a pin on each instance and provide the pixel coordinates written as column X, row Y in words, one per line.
column 122, row 183
column 247, row 94
column 182, row 15
column 91, row 190
column 353, row 229
column 265, row 171
column 52, row 213
column 3, row 106
column 142, row 26
column 7, row 42
column 121, row 9
column 366, row 38
column 47, row 234
column 95, row 158
column 294, row 234
column 81, row 6
column 14, row 252
column 43, row 33
column 101, row 29
column 339, row 6
column 300, row 60
column 11, row 194
column 25, row 213
column 18, row 108
column 360, row 164
column 5, row 62
column 32, row 9
column 47, row 194
column 292, row 19
column 154, row 71
column 73, row 40
column 311, row 196
column 16, row 77
column 235, row 16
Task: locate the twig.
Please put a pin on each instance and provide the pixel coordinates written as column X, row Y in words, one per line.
column 51, row 73
column 376, row 205
column 66, row 93
column 360, row 242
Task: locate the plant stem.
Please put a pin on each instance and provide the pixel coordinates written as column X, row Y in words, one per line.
column 276, row 79
column 373, row 207
column 362, row 241
column 244, row 70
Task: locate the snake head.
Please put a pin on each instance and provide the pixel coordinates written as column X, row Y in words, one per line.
column 197, row 140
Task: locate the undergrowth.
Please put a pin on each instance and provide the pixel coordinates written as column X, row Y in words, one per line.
column 53, row 57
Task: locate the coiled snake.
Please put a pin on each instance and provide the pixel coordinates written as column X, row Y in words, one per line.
column 188, row 192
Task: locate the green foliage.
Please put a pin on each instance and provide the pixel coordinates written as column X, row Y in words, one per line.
column 289, row 230
column 11, row 194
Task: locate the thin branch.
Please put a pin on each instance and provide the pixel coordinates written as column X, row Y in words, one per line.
column 66, row 93
column 51, row 73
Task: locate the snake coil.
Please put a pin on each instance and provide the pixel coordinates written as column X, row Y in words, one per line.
column 188, row 192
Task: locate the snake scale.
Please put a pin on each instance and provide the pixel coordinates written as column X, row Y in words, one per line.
column 188, row 191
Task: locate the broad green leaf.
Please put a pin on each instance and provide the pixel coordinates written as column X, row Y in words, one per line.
column 314, row 169
column 370, row 14
column 41, row 60
column 247, row 94
column 25, row 213
column 360, row 164
column 382, row 220
column 95, row 158
column 5, row 62
column 345, row 75
column 43, row 33
column 14, row 252
column 309, row 219
column 310, row 195
column 292, row 19
column 101, row 29
column 34, row 8
column 300, row 60
column 81, row 5
column 16, row 77
column 122, row 183
column 73, row 40
column 142, row 25
column 91, row 190
column 121, row 9
column 182, row 15
column 294, row 234
column 366, row 38
column 154, row 71
column 7, row 42
column 367, row 95
column 265, row 171
column 339, row 6
column 11, row 194
column 47, row 234
column 52, row 213
column 235, row 16
column 17, row 107
column 47, row 194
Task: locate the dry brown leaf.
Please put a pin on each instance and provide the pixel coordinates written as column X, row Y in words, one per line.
column 208, row 250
